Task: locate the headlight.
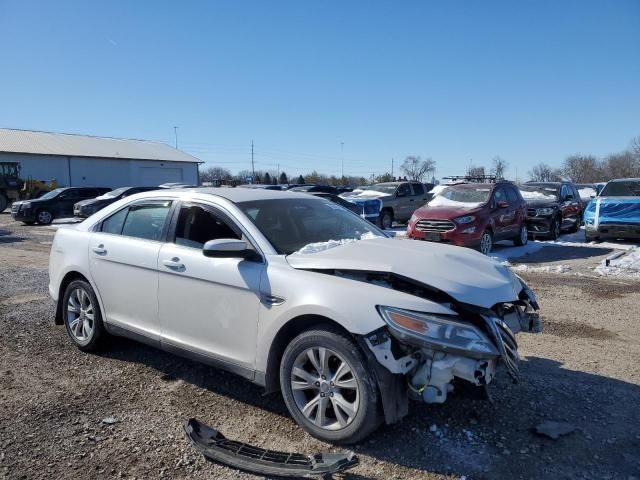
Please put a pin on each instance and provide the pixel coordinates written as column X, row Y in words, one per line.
column 437, row 332
column 544, row 211
column 465, row 219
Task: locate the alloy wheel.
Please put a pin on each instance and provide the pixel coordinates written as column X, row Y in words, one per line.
column 325, row 388
column 486, row 242
column 44, row 217
column 524, row 234
column 80, row 315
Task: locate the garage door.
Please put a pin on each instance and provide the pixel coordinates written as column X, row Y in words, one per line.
column 154, row 176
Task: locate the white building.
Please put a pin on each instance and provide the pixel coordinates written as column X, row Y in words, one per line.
column 83, row 160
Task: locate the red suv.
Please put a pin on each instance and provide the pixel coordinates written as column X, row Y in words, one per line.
column 472, row 215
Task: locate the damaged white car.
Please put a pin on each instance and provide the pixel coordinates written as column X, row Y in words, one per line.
column 296, row 294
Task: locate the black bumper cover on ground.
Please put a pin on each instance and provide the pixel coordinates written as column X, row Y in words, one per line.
column 216, row 447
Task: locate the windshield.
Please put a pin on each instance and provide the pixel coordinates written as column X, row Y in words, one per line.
column 538, row 192
column 626, row 188
column 301, row 189
column 113, row 193
column 466, row 197
column 307, row 225
column 382, row 187
column 51, row 194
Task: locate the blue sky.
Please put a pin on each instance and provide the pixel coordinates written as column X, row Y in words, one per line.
column 457, row 81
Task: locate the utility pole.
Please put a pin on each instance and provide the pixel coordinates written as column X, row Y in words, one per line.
column 253, row 168
column 392, row 168
column 175, row 132
column 341, row 161
column 278, row 177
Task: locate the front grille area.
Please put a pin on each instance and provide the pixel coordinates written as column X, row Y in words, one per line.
column 531, row 212
column 507, row 345
column 15, row 208
column 434, row 225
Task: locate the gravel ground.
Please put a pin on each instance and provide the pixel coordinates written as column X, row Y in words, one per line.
column 584, row 370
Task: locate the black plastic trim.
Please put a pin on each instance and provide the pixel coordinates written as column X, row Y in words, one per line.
column 214, row 446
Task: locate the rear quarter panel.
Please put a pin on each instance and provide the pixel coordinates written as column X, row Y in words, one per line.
column 69, row 253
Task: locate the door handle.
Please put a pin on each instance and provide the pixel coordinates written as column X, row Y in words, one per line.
column 99, row 250
column 174, row 263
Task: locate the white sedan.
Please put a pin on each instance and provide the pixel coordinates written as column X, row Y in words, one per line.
column 293, row 293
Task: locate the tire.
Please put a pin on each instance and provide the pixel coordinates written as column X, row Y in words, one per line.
column 3, row 203
column 590, row 238
column 554, row 229
column 84, row 327
column 385, row 220
column 486, row 242
column 523, row 235
column 44, row 217
column 359, row 395
column 575, row 227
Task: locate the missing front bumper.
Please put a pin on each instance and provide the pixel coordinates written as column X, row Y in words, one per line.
column 248, row 458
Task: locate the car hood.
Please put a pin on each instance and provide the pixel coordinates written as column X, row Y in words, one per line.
column 615, row 209
column 541, row 203
column 444, row 212
column 368, row 195
column 464, row 274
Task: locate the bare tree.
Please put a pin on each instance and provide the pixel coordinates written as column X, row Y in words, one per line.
column 416, row 169
column 582, row 168
column 544, row 173
column 474, row 171
column 499, row 167
column 621, row 165
column 635, row 146
column 210, row 174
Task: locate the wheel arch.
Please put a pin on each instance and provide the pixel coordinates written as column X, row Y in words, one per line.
column 283, row 337
column 64, row 283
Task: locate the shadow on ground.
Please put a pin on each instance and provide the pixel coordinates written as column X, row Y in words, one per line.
column 474, row 437
column 558, row 253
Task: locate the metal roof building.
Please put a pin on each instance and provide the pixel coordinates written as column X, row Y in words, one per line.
column 84, row 160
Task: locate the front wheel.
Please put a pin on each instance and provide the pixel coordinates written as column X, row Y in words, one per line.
column 523, row 235
column 554, row 229
column 328, row 388
column 45, row 217
column 486, row 242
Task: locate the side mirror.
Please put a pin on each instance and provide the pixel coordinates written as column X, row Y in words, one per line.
column 226, row 248
column 400, row 194
column 592, row 196
column 502, row 204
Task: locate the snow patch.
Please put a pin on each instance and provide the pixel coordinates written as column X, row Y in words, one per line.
column 536, row 195
column 627, row 265
column 321, row 246
column 544, row 269
column 442, row 201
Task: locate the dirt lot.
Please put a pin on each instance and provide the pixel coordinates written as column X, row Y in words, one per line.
column 584, row 369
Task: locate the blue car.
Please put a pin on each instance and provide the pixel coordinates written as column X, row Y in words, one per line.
column 615, row 212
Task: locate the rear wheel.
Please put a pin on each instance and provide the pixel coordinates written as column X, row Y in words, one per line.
column 44, row 217
column 327, row 387
column 82, row 316
column 486, row 242
column 523, row 235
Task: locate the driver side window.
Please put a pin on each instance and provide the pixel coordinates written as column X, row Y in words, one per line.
column 197, row 225
column 499, row 196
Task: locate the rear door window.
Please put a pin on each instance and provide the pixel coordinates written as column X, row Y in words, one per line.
column 404, row 189
column 114, row 223
column 418, row 189
column 146, row 221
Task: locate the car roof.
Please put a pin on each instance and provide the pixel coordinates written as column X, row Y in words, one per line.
column 473, row 185
column 235, row 195
column 624, row 180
